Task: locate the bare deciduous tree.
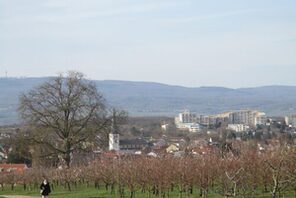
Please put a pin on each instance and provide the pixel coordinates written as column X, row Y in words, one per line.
column 66, row 113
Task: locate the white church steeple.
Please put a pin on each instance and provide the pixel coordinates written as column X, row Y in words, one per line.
column 114, row 135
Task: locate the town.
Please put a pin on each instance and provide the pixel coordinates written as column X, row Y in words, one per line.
column 232, row 135
column 188, row 133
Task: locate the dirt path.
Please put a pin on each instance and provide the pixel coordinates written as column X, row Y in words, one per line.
column 17, row 196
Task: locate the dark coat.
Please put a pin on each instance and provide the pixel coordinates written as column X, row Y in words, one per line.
column 45, row 189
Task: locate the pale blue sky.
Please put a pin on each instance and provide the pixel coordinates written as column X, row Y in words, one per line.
column 232, row 43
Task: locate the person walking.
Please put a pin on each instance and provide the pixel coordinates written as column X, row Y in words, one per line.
column 45, row 189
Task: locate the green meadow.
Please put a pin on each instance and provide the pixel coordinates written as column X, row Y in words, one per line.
column 82, row 191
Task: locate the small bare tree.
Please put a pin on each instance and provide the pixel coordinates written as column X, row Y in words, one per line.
column 282, row 169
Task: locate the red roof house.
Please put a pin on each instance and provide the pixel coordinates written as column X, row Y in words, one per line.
column 7, row 168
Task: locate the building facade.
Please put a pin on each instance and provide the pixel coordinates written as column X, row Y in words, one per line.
column 247, row 117
column 238, row 127
column 187, row 117
column 291, row 120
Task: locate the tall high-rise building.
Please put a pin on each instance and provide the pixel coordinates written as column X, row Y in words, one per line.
column 291, row 120
column 187, row 117
column 247, row 117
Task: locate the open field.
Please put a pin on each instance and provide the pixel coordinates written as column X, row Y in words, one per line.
column 90, row 192
column 17, row 196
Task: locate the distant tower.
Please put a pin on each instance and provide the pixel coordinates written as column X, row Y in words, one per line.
column 114, row 142
column 114, row 136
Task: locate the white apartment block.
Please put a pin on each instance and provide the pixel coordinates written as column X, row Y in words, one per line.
column 187, row 121
column 194, row 128
column 291, row 120
column 238, row 127
column 247, row 117
column 189, row 117
column 260, row 118
column 165, row 127
column 250, row 118
column 186, row 117
column 191, row 127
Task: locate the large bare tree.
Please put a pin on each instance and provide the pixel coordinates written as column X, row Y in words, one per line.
column 67, row 113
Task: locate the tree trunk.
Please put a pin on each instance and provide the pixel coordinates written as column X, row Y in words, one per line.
column 180, row 194
column 112, row 189
column 97, row 186
column 265, row 187
column 121, row 191
column 204, row 193
column 149, row 192
column 187, row 193
column 275, row 188
column 67, row 158
column 132, row 194
column 234, row 190
column 68, row 186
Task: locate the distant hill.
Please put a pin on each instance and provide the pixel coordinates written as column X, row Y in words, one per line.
column 147, row 98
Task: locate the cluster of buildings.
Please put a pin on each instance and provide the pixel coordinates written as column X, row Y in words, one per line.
column 237, row 120
column 139, row 146
column 178, row 147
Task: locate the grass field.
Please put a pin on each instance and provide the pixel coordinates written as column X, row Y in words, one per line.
column 91, row 192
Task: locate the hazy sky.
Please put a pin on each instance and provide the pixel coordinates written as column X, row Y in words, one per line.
column 233, row 43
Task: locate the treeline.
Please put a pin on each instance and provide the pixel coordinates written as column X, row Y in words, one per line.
column 244, row 176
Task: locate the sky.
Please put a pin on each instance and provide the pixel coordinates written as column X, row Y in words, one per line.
column 230, row 43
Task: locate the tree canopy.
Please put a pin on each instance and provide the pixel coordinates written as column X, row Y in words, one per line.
column 65, row 114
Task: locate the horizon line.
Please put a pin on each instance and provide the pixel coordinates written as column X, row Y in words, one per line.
column 160, row 83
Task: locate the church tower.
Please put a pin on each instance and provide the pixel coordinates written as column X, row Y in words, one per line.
column 114, row 136
column 114, row 142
